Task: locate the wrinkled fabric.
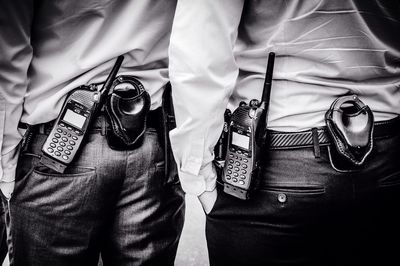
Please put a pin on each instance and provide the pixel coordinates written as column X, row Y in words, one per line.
column 117, row 203
column 324, row 49
column 51, row 47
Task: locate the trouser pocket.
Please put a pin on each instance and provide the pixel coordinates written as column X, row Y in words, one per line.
column 53, row 216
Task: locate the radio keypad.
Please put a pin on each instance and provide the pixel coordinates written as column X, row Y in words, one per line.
column 239, row 163
column 63, row 142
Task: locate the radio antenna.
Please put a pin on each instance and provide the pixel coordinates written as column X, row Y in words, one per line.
column 112, row 75
column 266, row 94
column 265, row 98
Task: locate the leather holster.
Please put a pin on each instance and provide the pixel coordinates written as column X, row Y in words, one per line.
column 350, row 124
column 171, row 170
column 127, row 108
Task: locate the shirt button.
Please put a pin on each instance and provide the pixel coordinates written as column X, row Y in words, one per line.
column 282, row 198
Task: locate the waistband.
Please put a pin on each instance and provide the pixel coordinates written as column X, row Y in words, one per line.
column 100, row 124
column 290, row 140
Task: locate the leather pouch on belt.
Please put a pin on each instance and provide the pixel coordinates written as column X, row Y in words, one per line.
column 168, row 114
column 350, row 124
column 127, row 109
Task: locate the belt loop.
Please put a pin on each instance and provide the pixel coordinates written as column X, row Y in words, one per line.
column 317, row 150
column 103, row 125
column 42, row 129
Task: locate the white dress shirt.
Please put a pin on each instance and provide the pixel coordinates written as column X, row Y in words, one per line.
column 48, row 48
column 324, row 49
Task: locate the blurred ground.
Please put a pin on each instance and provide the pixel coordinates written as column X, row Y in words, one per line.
column 5, row 263
column 192, row 249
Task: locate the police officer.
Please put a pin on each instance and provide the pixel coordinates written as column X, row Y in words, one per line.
column 314, row 205
column 117, row 202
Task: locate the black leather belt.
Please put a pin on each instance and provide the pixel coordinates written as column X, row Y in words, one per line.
column 285, row 140
column 100, row 124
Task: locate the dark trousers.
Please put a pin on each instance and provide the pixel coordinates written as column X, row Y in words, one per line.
column 3, row 236
column 306, row 213
column 117, row 203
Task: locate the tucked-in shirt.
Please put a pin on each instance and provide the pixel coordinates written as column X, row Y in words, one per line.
column 48, row 48
column 324, row 49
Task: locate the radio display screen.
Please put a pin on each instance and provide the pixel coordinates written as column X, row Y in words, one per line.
column 74, row 119
column 241, row 141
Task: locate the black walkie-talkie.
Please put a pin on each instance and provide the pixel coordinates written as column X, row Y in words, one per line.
column 246, row 138
column 71, row 126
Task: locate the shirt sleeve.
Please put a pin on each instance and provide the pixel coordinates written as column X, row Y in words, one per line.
column 203, row 72
column 16, row 55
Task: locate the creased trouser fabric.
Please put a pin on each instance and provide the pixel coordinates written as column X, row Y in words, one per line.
column 114, row 202
column 306, row 213
column 3, row 243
